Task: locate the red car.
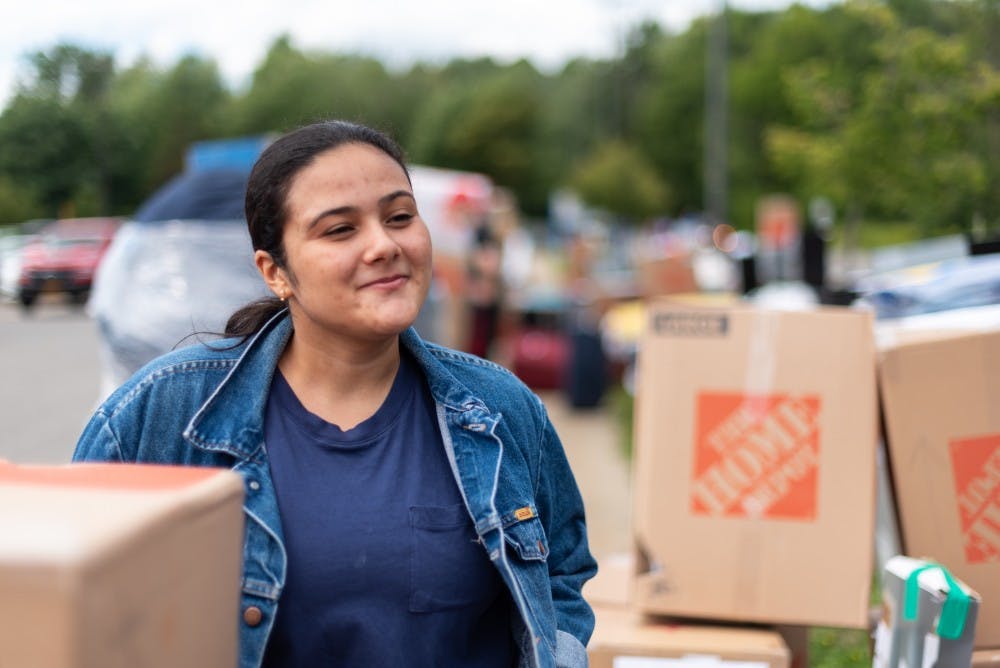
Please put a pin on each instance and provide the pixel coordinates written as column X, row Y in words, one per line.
column 64, row 257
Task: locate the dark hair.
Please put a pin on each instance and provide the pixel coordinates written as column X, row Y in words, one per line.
column 267, row 192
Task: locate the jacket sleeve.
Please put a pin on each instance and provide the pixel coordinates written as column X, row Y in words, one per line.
column 570, row 562
column 98, row 443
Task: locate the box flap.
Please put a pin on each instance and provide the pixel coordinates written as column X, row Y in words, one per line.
column 72, row 514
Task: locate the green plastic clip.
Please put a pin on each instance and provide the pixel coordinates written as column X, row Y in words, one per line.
column 955, row 608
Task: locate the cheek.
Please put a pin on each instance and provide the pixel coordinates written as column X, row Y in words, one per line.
column 420, row 249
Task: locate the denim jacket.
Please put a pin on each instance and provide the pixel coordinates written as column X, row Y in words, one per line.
column 204, row 406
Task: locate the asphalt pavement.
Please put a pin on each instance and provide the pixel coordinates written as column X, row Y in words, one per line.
column 50, row 380
column 591, row 440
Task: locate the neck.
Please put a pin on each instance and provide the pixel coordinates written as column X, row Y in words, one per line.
column 344, row 383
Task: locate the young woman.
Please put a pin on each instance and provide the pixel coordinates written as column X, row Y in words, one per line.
column 406, row 504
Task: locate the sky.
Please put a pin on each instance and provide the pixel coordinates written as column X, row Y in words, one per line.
column 237, row 33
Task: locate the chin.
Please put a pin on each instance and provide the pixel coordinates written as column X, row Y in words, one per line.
column 393, row 327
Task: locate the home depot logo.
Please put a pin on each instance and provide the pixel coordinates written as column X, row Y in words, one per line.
column 975, row 463
column 756, row 455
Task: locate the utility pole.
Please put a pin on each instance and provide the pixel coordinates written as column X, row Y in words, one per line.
column 716, row 139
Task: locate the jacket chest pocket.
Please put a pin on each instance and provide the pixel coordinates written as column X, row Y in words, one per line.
column 449, row 568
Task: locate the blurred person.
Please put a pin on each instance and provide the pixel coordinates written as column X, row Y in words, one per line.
column 484, row 290
column 812, row 248
column 406, row 504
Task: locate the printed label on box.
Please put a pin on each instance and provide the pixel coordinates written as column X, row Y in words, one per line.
column 756, row 455
column 975, row 463
column 694, row 324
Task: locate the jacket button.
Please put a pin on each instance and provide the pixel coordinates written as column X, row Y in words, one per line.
column 252, row 615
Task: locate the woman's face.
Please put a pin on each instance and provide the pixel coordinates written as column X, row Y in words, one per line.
column 358, row 254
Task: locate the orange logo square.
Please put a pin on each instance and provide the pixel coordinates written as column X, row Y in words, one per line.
column 975, row 463
column 756, row 455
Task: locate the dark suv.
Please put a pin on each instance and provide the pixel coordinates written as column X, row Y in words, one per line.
column 63, row 258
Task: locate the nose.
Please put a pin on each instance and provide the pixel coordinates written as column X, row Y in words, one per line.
column 381, row 243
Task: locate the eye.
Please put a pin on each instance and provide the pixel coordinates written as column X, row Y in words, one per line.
column 338, row 230
column 401, row 218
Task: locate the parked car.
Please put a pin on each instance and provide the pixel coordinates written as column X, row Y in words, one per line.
column 63, row 258
column 11, row 249
column 181, row 264
column 956, row 283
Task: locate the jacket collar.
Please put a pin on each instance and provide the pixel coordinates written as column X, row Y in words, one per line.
column 232, row 419
column 445, row 387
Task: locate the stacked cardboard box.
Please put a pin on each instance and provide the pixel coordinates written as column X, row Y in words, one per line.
column 986, row 658
column 754, row 465
column 753, row 475
column 755, row 451
column 940, row 395
column 624, row 637
column 110, row 565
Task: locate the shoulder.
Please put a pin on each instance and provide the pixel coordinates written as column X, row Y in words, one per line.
column 495, row 385
column 184, row 371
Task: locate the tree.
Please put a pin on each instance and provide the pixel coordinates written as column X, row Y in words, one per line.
column 58, row 129
column 619, row 179
column 904, row 145
column 187, row 103
column 670, row 115
column 44, row 148
column 292, row 87
column 492, row 128
column 17, row 204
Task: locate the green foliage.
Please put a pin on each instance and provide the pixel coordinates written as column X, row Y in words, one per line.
column 670, row 118
column 877, row 233
column 487, row 123
column 839, row 648
column 622, row 406
column 292, row 87
column 908, row 142
column 17, row 203
column 185, row 104
column 43, row 148
column 619, row 179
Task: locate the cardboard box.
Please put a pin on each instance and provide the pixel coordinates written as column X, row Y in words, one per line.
column 609, row 591
column 929, row 618
column 754, row 465
column 797, row 640
column 117, row 566
column 610, row 587
column 986, row 658
column 941, row 405
column 625, row 639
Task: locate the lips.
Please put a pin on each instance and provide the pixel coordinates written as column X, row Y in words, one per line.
column 392, row 281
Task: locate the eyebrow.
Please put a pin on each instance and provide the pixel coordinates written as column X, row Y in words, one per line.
column 382, row 201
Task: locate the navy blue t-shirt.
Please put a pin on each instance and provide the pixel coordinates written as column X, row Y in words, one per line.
column 384, row 568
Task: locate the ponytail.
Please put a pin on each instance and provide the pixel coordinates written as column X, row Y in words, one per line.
column 249, row 319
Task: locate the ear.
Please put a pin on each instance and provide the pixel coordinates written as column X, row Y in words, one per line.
column 273, row 275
